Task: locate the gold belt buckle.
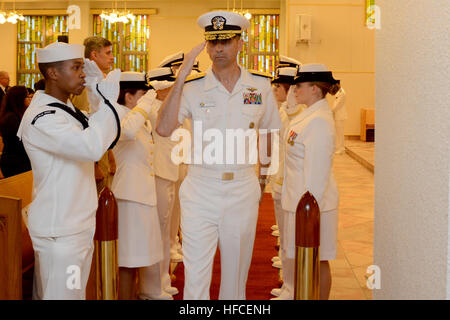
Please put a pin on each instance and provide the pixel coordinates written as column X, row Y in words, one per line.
column 228, row 176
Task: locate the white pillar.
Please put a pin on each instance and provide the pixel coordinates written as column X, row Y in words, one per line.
column 411, row 235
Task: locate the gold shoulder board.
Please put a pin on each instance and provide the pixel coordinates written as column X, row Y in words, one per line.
column 261, row 74
column 194, row 77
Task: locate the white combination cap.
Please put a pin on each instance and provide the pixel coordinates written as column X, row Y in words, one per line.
column 172, row 60
column 315, row 72
column 133, row 80
column 222, row 25
column 285, row 75
column 288, row 62
column 161, row 78
column 59, row 51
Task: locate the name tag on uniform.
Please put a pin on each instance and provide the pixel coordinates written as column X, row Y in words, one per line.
column 207, row 104
column 292, row 136
column 252, row 98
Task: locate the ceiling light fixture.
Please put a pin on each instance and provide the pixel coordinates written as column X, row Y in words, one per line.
column 115, row 15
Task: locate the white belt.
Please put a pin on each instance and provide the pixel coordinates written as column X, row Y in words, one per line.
column 221, row 174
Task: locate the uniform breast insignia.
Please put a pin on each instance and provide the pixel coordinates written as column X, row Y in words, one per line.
column 207, row 104
column 43, row 114
column 292, row 136
column 252, row 89
column 252, row 98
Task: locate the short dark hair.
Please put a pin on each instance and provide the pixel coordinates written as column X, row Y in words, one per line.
column 43, row 67
column 94, row 43
column 40, row 85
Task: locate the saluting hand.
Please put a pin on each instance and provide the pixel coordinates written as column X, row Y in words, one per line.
column 110, row 86
column 92, row 72
column 189, row 59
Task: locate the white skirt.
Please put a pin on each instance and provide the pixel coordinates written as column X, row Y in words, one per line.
column 328, row 235
column 139, row 241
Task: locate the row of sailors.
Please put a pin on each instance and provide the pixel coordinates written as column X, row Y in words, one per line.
column 219, row 203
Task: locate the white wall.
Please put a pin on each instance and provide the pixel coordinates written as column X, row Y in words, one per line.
column 411, row 243
column 342, row 42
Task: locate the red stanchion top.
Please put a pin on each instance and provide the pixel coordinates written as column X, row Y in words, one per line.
column 107, row 217
column 307, row 222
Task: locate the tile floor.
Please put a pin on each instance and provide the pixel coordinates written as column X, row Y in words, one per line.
column 363, row 152
column 355, row 235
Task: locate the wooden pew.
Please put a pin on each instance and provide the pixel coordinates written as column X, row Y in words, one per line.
column 16, row 250
column 367, row 122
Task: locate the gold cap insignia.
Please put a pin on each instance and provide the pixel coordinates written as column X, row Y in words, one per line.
column 218, row 22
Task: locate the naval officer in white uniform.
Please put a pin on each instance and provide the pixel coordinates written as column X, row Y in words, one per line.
column 310, row 144
column 140, row 243
column 166, row 172
column 63, row 144
column 174, row 62
column 219, row 198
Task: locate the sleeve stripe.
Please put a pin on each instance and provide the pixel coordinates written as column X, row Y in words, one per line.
column 142, row 112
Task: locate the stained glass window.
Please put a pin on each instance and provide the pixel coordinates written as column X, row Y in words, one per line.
column 130, row 41
column 261, row 43
column 35, row 32
column 373, row 15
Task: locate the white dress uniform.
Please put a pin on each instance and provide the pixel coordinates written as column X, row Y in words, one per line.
column 340, row 115
column 165, row 170
column 166, row 176
column 309, row 143
column 219, row 202
column 285, row 73
column 287, row 114
column 61, row 218
column 140, row 241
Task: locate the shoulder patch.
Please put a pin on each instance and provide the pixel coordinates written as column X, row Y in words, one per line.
column 195, row 77
column 261, row 74
column 42, row 114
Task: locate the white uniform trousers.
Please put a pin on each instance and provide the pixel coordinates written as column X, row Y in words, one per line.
column 280, row 217
column 215, row 211
column 176, row 213
column 339, row 125
column 62, row 266
column 175, row 220
column 165, row 193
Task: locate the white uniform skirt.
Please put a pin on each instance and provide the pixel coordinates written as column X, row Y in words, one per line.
column 328, row 235
column 140, row 241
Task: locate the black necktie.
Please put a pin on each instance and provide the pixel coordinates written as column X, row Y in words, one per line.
column 77, row 114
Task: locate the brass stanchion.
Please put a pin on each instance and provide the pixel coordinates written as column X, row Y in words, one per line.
column 105, row 241
column 307, row 241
